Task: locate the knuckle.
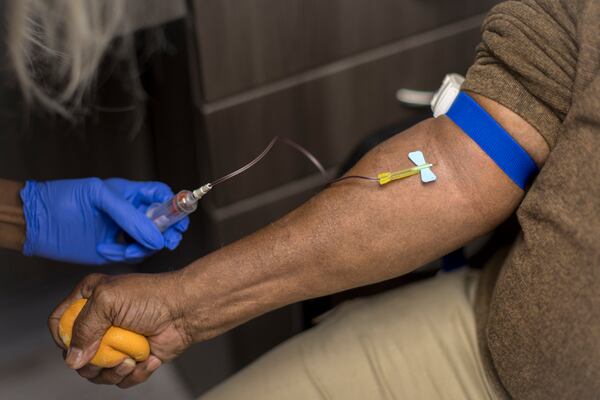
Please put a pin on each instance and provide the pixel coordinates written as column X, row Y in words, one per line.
column 103, row 295
column 93, row 278
column 89, row 283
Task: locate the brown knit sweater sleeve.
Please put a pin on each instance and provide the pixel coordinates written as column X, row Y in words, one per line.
column 527, row 61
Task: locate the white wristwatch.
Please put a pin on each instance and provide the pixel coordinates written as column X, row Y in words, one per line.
column 445, row 96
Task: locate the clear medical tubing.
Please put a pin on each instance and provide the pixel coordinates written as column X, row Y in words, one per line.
column 185, row 202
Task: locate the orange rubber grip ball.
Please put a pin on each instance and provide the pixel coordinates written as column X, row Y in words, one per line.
column 117, row 344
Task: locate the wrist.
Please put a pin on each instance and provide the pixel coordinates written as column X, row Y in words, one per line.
column 12, row 221
column 226, row 289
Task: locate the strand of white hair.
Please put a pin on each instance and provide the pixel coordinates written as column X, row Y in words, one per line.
column 56, row 47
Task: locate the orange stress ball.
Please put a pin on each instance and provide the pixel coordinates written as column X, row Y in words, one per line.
column 117, row 343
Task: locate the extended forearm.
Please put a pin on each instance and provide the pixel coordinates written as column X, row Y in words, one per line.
column 355, row 232
column 12, row 222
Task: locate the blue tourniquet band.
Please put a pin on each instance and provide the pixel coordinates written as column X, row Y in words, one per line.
column 493, row 139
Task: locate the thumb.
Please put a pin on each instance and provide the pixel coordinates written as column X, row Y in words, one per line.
column 88, row 330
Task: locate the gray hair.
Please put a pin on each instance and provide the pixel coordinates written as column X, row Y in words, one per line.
column 56, row 47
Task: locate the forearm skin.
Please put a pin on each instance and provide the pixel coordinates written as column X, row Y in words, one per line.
column 354, row 232
column 12, row 221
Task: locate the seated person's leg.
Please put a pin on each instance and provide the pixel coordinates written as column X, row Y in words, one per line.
column 415, row 342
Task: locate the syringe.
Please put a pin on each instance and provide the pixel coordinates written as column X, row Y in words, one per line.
column 185, row 202
column 177, row 208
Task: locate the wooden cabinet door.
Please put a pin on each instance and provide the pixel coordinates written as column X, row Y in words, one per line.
column 247, row 43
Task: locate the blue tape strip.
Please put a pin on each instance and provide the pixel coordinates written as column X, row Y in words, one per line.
column 493, row 139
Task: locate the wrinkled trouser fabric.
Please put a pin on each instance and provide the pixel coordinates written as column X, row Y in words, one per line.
column 414, row 342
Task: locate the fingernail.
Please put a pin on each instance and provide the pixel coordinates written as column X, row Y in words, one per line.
column 153, row 364
column 126, row 367
column 74, row 357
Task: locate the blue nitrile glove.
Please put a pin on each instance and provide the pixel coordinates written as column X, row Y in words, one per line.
column 83, row 220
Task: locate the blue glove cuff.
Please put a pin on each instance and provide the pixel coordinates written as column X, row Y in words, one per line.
column 29, row 196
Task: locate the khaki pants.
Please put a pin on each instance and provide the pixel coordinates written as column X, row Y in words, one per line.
column 415, row 342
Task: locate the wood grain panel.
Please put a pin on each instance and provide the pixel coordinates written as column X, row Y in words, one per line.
column 329, row 115
column 244, row 217
column 246, row 43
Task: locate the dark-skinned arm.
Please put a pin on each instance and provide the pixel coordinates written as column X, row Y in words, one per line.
column 351, row 234
column 12, row 221
column 356, row 233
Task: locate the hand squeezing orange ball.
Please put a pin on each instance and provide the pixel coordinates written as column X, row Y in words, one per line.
column 117, row 344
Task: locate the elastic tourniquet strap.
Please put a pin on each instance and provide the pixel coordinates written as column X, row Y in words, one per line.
column 493, row 139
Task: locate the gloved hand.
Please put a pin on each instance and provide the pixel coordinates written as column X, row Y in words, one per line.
column 82, row 220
